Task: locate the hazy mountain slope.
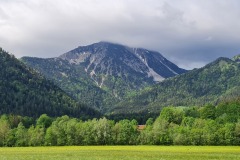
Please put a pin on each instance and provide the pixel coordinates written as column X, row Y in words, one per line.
column 216, row 81
column 25, row 92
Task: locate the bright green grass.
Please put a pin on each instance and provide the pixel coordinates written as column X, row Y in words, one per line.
column 121, row 153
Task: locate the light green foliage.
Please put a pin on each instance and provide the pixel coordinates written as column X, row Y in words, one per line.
column 237, row 132
column 44, row 121
column 149, row 122
column 208, row 112
column 125, row 132
column 50, row 137
column 174, row 126
column 160, row 131
column 4, row 130
column 228, row 112
column 88, row 132
column 21, row 135
column 103, row 129
column 36, row 136
column 171, row 114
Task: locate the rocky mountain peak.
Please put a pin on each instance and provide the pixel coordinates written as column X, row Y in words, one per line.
column 107, row 58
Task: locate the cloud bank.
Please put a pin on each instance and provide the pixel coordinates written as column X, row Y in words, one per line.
column 190, row 33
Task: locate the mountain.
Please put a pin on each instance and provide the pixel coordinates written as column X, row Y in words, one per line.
column 118, row 60
column 25, row 92
column 103, row 73
column 217, row 81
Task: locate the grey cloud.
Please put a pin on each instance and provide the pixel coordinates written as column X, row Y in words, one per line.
column 188, row 32
column 3, row 15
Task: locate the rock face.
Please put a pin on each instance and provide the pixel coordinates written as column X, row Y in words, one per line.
column 105, row 59
column 103, row 73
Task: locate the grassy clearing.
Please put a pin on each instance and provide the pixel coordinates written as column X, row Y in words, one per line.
column 121, row 152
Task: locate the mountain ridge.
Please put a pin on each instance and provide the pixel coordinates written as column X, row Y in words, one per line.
column 212, row 83
column 114, row 68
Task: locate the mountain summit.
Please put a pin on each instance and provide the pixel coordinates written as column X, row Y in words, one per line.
column 103, row 73
column 106, row 58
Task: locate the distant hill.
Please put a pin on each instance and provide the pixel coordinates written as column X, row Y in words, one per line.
column 103, row 73
column 217, row 81
column 25, row 92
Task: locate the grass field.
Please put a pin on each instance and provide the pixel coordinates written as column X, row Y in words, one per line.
column 121, row 153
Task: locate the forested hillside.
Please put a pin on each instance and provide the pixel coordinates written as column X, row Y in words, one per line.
column 73, row 80
column 217, row 81
column 25, row 92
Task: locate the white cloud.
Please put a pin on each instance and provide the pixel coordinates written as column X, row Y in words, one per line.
column 187, row 30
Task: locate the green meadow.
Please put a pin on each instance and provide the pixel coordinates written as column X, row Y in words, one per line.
column 121, row 153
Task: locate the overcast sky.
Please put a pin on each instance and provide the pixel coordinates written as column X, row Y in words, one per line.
column 190, row 33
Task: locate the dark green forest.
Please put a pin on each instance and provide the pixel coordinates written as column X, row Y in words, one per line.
column 208, row 125
column 23, row 91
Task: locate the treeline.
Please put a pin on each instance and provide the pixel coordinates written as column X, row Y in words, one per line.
column 208, row 125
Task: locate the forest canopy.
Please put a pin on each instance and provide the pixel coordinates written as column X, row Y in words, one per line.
column 208, row 125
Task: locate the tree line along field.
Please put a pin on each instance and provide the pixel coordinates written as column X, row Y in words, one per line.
column 122, row 152
column 208, row 125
